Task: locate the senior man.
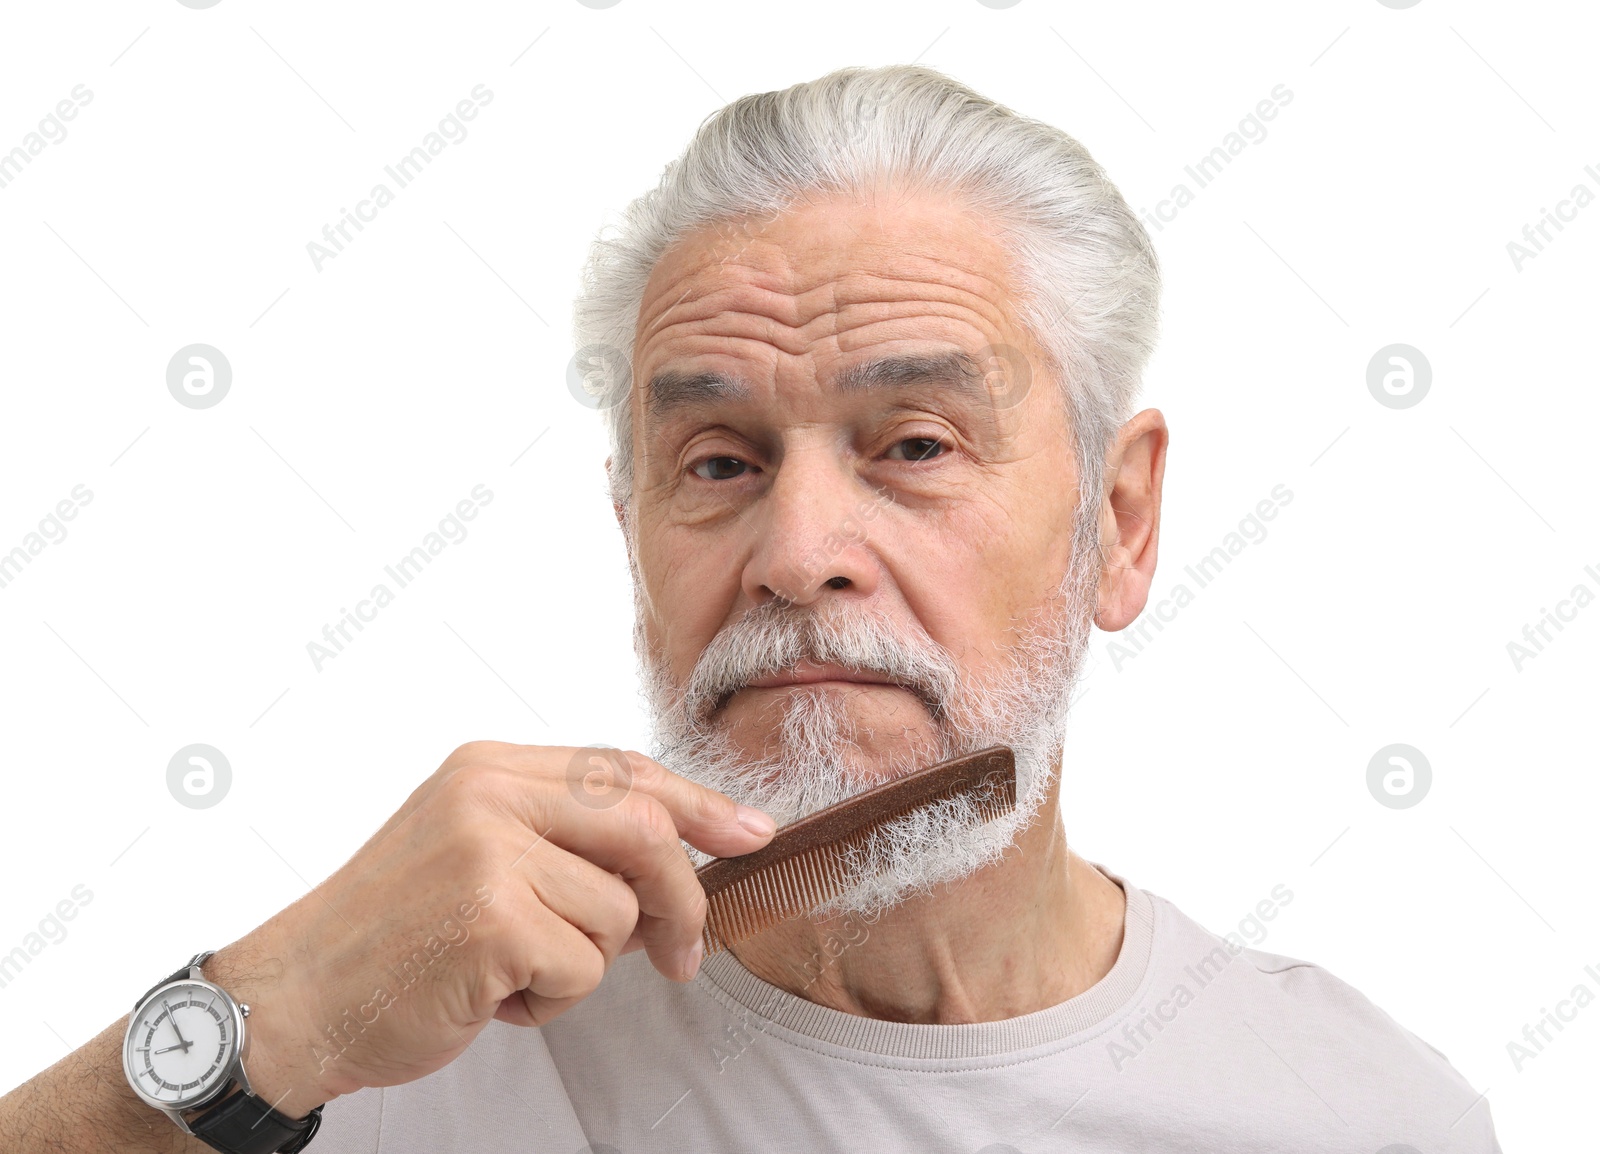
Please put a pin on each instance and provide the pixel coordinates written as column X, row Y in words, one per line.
column 877, row 479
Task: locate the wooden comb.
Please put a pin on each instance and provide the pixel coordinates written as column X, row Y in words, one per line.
column 802, row 866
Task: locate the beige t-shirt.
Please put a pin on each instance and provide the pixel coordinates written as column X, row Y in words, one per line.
column 1190, row 1043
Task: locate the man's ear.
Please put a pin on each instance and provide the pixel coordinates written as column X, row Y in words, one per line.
column 621, row 512
column 619, row 509
column 1130, row 519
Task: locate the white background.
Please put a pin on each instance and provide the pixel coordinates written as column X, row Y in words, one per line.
column 370, row 397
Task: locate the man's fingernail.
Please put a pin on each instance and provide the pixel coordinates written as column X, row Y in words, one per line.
column 692, row 959
column 755, row 821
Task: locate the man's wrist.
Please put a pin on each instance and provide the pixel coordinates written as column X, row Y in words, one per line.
column 278, row 1059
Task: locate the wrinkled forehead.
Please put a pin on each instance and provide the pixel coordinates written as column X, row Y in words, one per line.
column 869, row 289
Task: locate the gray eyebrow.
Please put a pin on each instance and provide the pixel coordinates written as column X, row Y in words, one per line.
column 671, row 389
column 953, row 369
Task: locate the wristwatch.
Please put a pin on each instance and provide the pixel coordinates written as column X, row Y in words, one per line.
column 183, row 1052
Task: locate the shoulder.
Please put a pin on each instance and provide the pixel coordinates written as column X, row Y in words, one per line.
column 1295, row 990
column 1305, row 1014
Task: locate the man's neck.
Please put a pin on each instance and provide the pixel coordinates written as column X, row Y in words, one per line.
column 1036, row 928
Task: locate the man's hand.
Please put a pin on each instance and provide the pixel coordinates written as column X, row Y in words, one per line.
column 503, row 888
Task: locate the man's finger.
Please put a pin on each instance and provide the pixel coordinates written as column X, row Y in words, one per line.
column 634, row 838
column 708, row 820
column 595, row 901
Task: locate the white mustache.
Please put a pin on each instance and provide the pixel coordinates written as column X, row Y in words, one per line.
column 776, row 636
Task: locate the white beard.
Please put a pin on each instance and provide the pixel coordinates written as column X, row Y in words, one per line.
column 818, row 761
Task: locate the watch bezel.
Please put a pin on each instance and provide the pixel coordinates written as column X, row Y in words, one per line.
column 231, row 1067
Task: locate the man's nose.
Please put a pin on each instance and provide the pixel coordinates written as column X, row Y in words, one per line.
column 812, row 529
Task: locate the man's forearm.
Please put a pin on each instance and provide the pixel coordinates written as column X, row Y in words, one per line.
column 83, row 1104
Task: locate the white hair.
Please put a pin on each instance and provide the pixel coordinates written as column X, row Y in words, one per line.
column 1084, row 264
column 818, row 760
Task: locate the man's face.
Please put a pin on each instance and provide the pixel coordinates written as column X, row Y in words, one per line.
column 938, row 506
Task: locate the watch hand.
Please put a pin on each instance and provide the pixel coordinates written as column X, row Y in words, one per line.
column 173, row 1019
column 184, row 1048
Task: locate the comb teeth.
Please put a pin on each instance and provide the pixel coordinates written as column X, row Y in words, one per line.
column 786, row 889
column 804, row 865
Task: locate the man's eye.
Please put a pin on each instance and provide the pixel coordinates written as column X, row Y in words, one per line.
column 918, row 448
column 720, row 468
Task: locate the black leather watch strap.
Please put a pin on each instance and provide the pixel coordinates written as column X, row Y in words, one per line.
column 245, row 1124
column 177, row 975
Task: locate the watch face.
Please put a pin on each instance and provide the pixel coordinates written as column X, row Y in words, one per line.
column 181, row 1043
